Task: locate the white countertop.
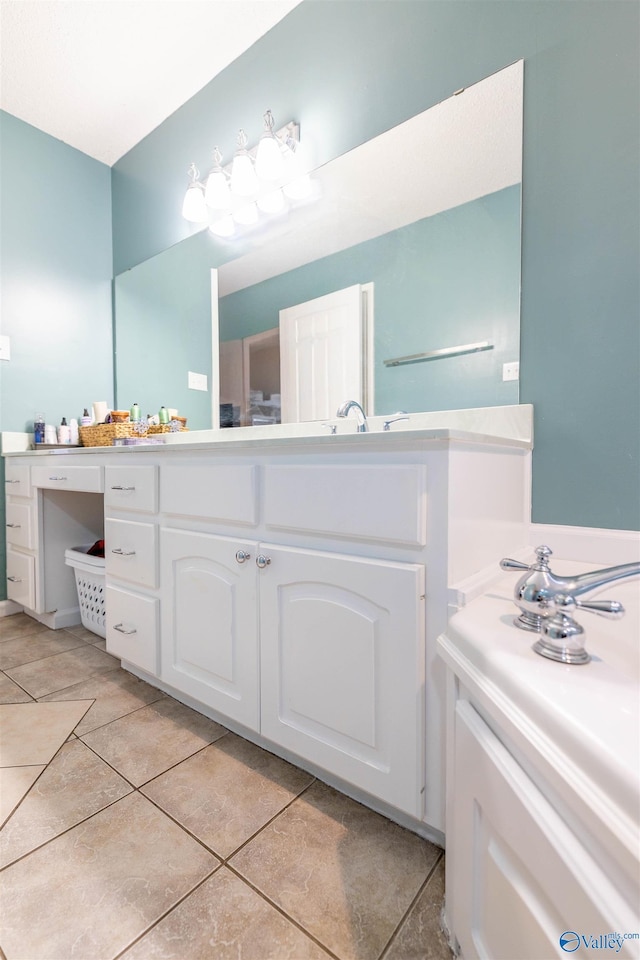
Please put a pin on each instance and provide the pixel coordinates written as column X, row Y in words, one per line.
column 504, row 426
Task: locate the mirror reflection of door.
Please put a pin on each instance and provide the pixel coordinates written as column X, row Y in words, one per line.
column 325, row 354
column 250, row 380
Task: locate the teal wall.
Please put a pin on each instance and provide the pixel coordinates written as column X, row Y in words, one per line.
column 447, row 280
column 55, row 295
column 349, row 69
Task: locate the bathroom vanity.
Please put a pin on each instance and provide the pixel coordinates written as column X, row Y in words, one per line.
column 291, row 587
column 543, row 784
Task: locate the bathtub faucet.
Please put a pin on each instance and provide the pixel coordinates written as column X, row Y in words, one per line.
column 547, row 603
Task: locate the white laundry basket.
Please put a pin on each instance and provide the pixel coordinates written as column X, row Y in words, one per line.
column 90, row 582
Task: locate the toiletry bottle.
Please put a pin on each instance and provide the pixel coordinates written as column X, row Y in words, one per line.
column 38, row 428
column 134, row 413
column 64, row 433
column 163, row 415
column 85, row 419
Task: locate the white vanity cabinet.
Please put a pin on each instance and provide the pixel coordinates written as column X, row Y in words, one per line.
column 294, row 587
column 131, row 564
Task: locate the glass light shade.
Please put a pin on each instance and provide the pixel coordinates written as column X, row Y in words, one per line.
column 246, row 215
column 244, row 182
column 194, row 208
column 217, row 194
column 269, row 163
column 224, row 227
column 272, row 202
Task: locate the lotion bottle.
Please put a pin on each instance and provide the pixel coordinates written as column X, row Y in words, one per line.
column 64, row 433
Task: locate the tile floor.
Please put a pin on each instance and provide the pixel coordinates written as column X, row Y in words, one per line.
column 133, row 827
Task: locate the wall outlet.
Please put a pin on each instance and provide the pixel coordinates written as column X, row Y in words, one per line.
column 5, row 348
column 511, row 371
column 197, row 381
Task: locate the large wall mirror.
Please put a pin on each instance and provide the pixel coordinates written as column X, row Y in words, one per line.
column 425, row 218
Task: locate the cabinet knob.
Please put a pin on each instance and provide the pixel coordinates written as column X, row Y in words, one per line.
column 124, row 553
column 242, row 555
column 120, row 627
column 263, row 561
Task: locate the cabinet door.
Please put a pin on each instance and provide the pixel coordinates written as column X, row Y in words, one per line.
column 342, row 656
column 520, row 882
column 209, row 645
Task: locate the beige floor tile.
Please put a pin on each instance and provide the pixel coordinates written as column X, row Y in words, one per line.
column 43, row 643
column 421, row 937
column 10, row 692
column 224, row 919
column 19, row 625
column 346, row 874
column 15, row 782
column 33, row 732
column 75, row 785
column 115, row 694
column 146, row 743
column 63, row 670
column 92, row 891
column 77, row 630
column 227, row 792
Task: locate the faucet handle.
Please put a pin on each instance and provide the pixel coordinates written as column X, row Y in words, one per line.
column 398, row 415
column 542, row 561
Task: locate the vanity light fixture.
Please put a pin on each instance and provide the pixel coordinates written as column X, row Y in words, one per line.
column 258, row 183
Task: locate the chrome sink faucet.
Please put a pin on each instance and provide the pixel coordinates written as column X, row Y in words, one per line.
column 343, row 411
column 547, row 603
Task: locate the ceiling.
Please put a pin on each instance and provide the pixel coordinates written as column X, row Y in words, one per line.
column 102, row 74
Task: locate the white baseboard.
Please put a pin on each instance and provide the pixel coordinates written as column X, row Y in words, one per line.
column 587, row 544
column 9, row 607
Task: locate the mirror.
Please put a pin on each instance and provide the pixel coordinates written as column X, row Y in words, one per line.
column 428, row 213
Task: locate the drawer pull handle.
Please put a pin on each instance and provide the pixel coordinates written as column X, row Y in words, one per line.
column 120, row 627
column 242, row 555
column 120, row 487
column 16, row 526
column 124, row 553
column 12, row 481
column 263, row 561
column 15, row 579
column 58, row 478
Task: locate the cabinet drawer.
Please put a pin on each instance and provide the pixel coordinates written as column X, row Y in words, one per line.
column 376, row 502
column 132, row 628
column 213, row 492
column 131, row 552
column 20, row 527
column 17, row 479
column 58, row 476
column 21, row 578
column 131, row 488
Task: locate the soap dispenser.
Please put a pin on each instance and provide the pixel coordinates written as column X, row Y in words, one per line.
column 64, row 433
column 134, row 413
column 163, row 415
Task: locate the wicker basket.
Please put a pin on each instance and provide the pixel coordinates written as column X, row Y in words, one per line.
column 165, row 428
column 103, row 434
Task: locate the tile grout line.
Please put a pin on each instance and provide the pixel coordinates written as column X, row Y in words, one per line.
column 407, row 914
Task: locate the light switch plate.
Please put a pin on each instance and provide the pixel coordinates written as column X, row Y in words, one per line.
column 5, row 348
column 197, row 381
